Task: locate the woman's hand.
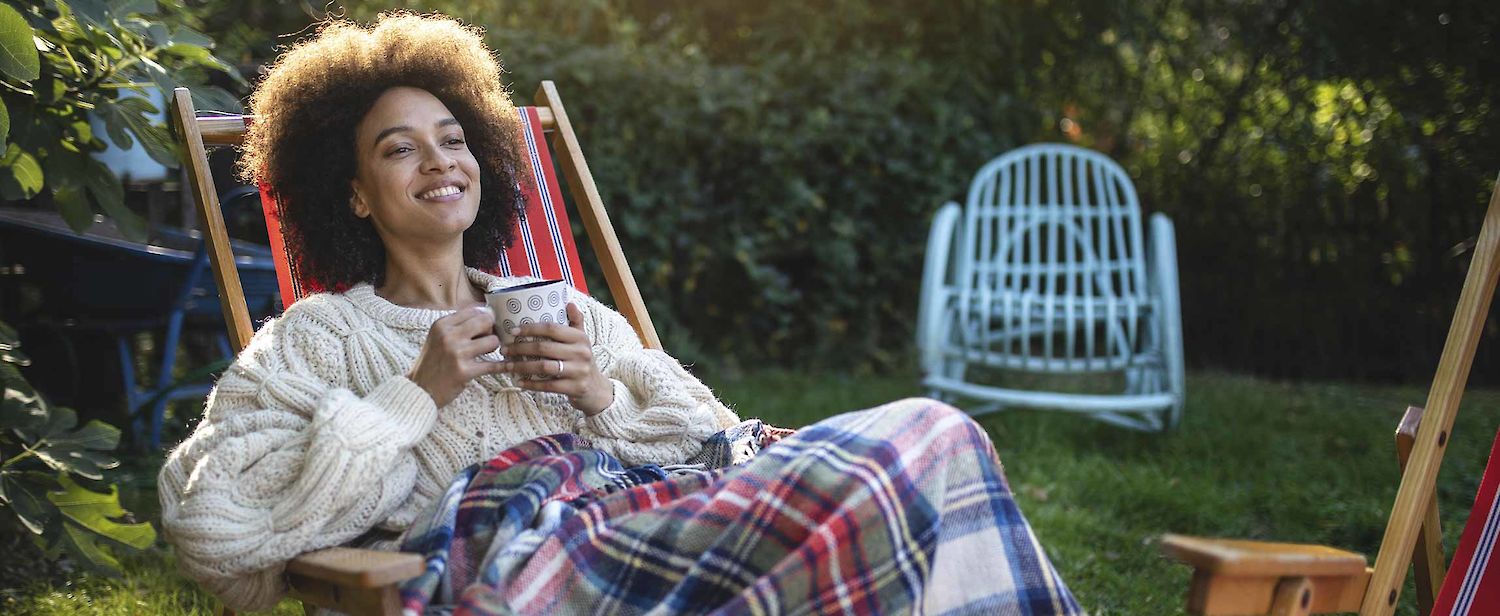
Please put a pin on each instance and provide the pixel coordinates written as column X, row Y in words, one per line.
column 560, row 359
column 449, row 359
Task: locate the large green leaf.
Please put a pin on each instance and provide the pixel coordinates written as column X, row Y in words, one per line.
column 29, row 128
column 26, row 493
column 137, row 112
column 22, row 410
column 87, row 526
column 18, row 55
column 4, row 122
column 68, row 174
column 97, row 513
column 85, row 549
column 82, row 451
column 109, row 194
column 60, row 419
column 93, row 12
column 115, row 124
column 25, row 177
column 73, row 203
column 128, row 116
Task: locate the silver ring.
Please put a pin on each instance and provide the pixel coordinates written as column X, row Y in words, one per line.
column 559, row 367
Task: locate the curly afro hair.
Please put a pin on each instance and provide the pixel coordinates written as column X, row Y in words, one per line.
column 302, row 143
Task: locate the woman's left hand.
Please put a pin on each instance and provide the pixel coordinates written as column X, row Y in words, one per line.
column 560, row 360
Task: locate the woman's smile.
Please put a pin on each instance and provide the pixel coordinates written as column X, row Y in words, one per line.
column 445, row 193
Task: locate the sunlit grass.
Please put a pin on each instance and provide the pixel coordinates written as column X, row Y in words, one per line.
column 1257, row 459
column 151, row 585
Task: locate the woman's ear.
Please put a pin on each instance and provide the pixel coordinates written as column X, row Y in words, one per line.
column 357, row 203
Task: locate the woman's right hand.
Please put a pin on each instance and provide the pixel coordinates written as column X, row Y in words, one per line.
column 449, row 359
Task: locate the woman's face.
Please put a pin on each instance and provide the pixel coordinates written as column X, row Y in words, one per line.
column 415, row 179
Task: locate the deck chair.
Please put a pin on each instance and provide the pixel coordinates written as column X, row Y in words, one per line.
column 1254, row 577
column 365, row 581
column 1044, row 271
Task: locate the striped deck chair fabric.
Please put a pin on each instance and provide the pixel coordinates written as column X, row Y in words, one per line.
column 1472, row 585
column 543, row 246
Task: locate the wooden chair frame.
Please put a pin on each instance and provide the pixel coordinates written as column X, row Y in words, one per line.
column 366, row 581
column 1252, row 577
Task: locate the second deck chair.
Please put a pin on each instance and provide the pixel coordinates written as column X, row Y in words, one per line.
column 1254, row 577
column 365, row 581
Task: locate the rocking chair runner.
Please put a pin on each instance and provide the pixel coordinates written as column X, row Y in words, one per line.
column 1252, row 577
column 365, row 581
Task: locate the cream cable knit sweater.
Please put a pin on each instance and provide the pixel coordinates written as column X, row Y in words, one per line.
column 315, row 436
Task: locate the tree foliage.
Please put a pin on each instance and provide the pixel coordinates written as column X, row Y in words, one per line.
column 52, row 471
column 63, row 61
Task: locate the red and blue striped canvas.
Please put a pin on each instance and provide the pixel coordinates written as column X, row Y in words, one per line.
column 1472, row 585
column 543, row 246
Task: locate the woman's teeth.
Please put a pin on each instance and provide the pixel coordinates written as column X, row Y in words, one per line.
column 440, row 192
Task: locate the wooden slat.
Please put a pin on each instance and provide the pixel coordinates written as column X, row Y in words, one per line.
column 1239, row 558
column 222, row 130
column 1427, row 557
column 1442, row 406
column 1224, row 595
column 356, row 568
column 596, row 219
column 220, row 254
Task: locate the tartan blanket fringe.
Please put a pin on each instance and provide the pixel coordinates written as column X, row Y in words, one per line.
column 897, row 509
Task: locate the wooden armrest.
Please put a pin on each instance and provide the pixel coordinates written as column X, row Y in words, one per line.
column 354, row 568
column 1249, row 577
column 1236, row 557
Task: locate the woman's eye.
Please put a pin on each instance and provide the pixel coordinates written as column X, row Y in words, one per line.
column 454, row 141
column 399, row 150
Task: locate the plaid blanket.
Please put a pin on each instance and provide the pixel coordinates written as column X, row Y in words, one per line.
column 897, row 509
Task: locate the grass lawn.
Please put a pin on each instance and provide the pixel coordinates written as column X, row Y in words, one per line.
column 1255, row 459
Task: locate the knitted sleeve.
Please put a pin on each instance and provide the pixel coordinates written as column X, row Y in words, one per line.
column 287, row 458
column 661, row 413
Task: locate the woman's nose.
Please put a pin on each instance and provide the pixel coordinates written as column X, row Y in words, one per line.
column 439, row 160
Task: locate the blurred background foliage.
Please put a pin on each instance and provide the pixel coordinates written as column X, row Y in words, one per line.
column 74, row 73
column 773, row 167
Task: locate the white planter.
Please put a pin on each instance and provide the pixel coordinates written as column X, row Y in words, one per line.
column 133, row 165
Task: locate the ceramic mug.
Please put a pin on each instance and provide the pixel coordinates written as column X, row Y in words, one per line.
column 535, row 302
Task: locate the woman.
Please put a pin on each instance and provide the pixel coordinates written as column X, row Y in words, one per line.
column 393, row 152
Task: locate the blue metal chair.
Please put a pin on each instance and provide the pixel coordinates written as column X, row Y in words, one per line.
column 1044, row 271
column 99, row 284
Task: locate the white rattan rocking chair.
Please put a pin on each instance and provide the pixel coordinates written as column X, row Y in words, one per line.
column 1044, row 271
